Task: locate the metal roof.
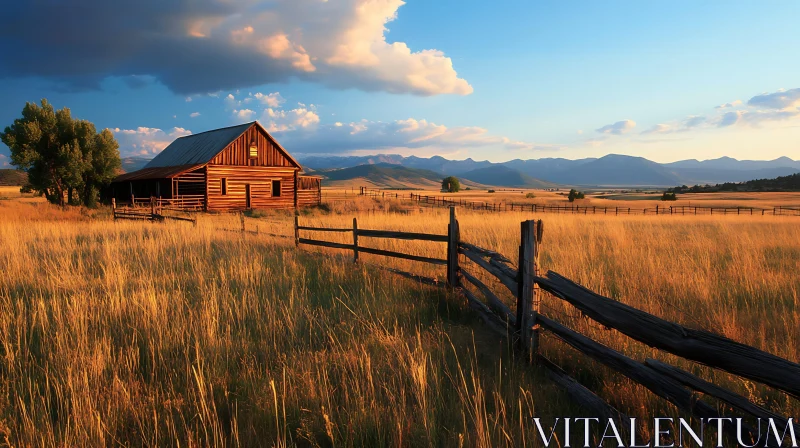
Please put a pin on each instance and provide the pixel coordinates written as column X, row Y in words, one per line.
column 156, row 173
column 197, row 148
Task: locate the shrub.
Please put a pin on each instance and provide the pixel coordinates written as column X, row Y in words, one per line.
column 530, row 196
column 491, row 191
column 669, row 197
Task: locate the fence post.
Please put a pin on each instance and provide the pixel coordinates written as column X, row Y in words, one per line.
column 133, row 201
column 355, row 240
column 527, row 297
column 452, row 250
column 114, row 208
column 152, row 207
column 296, row 230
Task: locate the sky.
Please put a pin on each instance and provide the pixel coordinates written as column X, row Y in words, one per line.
column 457, row 78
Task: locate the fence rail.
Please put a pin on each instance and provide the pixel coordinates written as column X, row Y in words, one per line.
column 357, row 248
column 671, row 383
column 496, row 207
column 153, row 213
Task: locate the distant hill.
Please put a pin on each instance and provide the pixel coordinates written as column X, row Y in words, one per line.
column 130, row 164
column 781, row 183
column 611, row 170
column 503, row 176
column 14, row 178
column 382, row 176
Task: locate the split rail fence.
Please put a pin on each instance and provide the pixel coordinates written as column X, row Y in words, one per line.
column 524, row 324
column 153, row 209
column 442, row 201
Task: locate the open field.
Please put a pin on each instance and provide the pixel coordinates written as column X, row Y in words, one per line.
column 599, row 199
column 146, row 334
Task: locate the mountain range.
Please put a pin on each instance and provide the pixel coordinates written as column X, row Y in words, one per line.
column 611, row 170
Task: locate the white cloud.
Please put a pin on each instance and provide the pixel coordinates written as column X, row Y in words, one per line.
column 729, row 105
column 210, row 45
column 144, row 141
column 618, row 128
column 399, row 135
column 244, row 114
column 270, row 100
column 287, row 120
column 194, row 114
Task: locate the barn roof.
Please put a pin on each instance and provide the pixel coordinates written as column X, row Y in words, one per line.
column 197, row 148
column 156, row 173
column 195, row 151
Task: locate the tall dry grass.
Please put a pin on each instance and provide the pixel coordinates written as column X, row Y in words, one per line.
column 150, row 334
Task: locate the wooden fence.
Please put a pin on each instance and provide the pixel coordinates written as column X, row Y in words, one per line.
column 152, row 210
column 443, row 201
column 526, row 321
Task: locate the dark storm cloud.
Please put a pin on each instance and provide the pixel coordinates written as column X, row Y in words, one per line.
column 196, row 46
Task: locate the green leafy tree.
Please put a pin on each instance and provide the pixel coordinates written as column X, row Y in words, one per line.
column 574, row 194
column 451, row 184
column 66, row 159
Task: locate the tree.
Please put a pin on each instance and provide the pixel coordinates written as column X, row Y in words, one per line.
column 451, row 184
column 63, row 156
column 574, row 194
column 667, row 196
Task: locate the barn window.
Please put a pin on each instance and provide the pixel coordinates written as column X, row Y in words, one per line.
column 253, row 150
column 276, row 188
column 223, row 186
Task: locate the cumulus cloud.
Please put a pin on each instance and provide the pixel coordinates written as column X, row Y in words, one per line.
column 289, row 120
column 781, row 100
column 271, row 99
column 729, row 105
column 618, row 128
column 731, row 118
column 144, row 141
column 410, row 134
column 244, row 114
column 211, row 45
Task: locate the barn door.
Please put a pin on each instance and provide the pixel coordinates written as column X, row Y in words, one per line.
column 249, row 199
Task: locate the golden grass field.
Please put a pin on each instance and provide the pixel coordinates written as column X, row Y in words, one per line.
column 131, row 333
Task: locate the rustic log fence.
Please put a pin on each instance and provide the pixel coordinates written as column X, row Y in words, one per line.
column 524, row 324
column 577, row 209
column 152, row 210
column 671, row 383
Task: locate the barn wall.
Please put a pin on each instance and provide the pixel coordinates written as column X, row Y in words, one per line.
column 190, row 184
column 308, row 191
column 260, row 181
column 238, row 152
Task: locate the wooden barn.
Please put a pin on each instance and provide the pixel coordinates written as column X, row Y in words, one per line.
column 236, row 168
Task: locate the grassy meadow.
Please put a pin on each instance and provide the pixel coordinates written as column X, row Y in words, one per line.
column 131, row 333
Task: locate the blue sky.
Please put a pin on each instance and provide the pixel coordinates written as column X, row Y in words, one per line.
column 487, row 80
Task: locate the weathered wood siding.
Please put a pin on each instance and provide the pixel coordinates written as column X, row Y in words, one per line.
column 260, row 181
column 238, row 152
column 308, row 191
